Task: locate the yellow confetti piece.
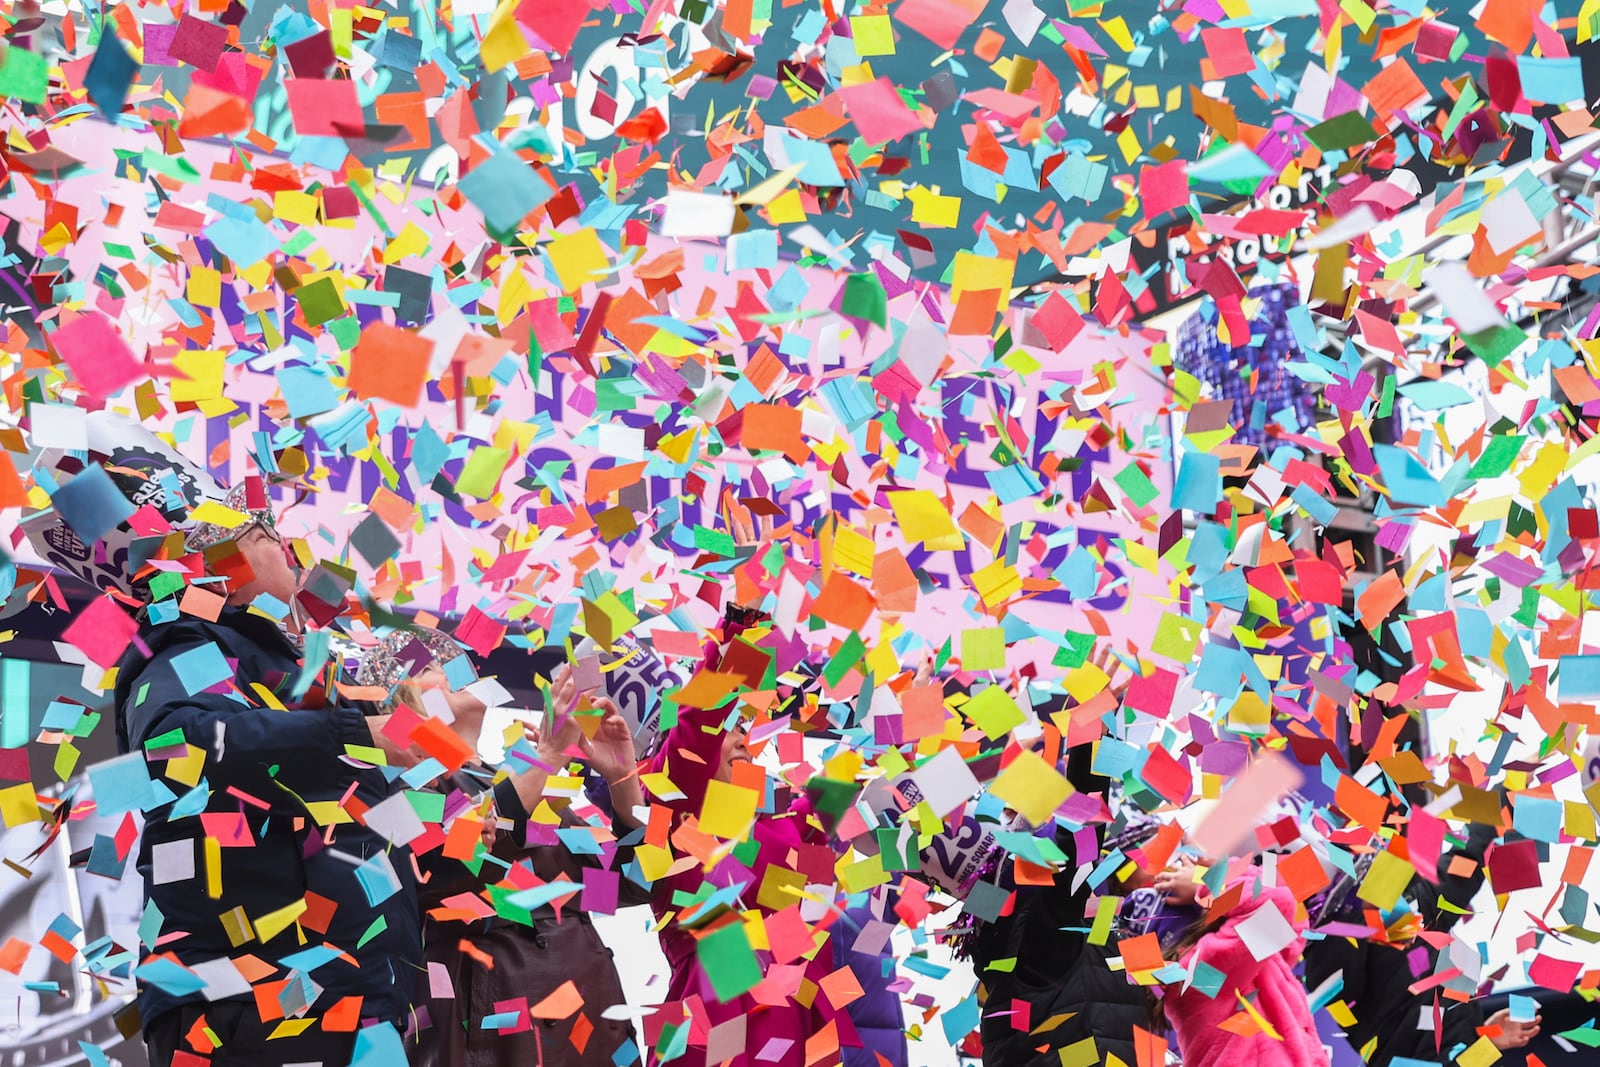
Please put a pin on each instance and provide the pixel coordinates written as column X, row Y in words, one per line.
column 1128, row 145
column 201, row 375
column 863, row 875
column 328, row 813
column 786, row 207
column 291, row 1028
column 578, row 259
column 934, row 210
column 780, row 887
column 66, row 760
column 1481, row 1053
column 187, row 768
column 924, row 519
column 481, row 474
column 212, row 852
column 1032, row 787
column 268, row 697
column 291, row 205
column 1537, row 477
column 654, row 861
column 853, row 551
column 660, row 786
column 504, row 43
column 1386, row 880
column 411, row 241
column 728, row 810
column 1579, row 821
column 236, row 925
column 1360, row 14
column 873, row 35
column 204, row 288
column 1105, row 914
column 1086, row 682
column 1250, row 715
column 17, row 805
column 767, row 190
column 975, row 273
column 1117, row 30
column 1250, row 1009
column 274, row 923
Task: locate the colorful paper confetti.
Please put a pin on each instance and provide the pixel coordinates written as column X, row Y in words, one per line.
column 1074, row 522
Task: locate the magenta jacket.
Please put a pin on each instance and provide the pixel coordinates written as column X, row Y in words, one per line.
column 1270, row 985
column 776, row 1026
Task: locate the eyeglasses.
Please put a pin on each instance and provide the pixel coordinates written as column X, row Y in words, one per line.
column 260, row 526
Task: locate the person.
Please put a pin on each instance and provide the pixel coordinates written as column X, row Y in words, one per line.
column 282, row 928
column 1149, row 904
column 696, row 1024
column 876, row 1014
column 1377, row 975
column 1249, row 975
column 1035, row 962
column 533, row 955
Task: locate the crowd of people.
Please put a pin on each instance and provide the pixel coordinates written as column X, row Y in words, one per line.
column 326, row 921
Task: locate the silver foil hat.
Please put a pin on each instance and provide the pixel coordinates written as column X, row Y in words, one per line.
column 403, row 654
column 207, row 534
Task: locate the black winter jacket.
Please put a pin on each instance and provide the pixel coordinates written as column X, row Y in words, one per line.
column 273, row 855
column 1057, row 971
column 1377, row 977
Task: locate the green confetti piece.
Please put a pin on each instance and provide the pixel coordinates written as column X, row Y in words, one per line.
column 1495, row 344
column 864, row 298
column 1136, row 485
column 728, row 961
column 1342, row 131
column 24, row 76
column 379, row 925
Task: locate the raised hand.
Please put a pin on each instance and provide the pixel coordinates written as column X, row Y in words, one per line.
column 1177, row 884
column 561, row 732
column 1108, row 662
column 1513, row 1034
column 746, row 527
column 610, row 750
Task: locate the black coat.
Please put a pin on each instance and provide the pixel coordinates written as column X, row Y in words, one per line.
column 1056, row 971
column 533, row 955
column 280, row 761
column 1377, row 977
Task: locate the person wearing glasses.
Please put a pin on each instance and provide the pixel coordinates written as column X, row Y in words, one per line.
column 280, row 928
column 493, row 962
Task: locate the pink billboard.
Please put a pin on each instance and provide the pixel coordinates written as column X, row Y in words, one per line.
column 959, row 482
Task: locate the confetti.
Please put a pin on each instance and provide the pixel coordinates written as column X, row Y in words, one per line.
column 1152, row 444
